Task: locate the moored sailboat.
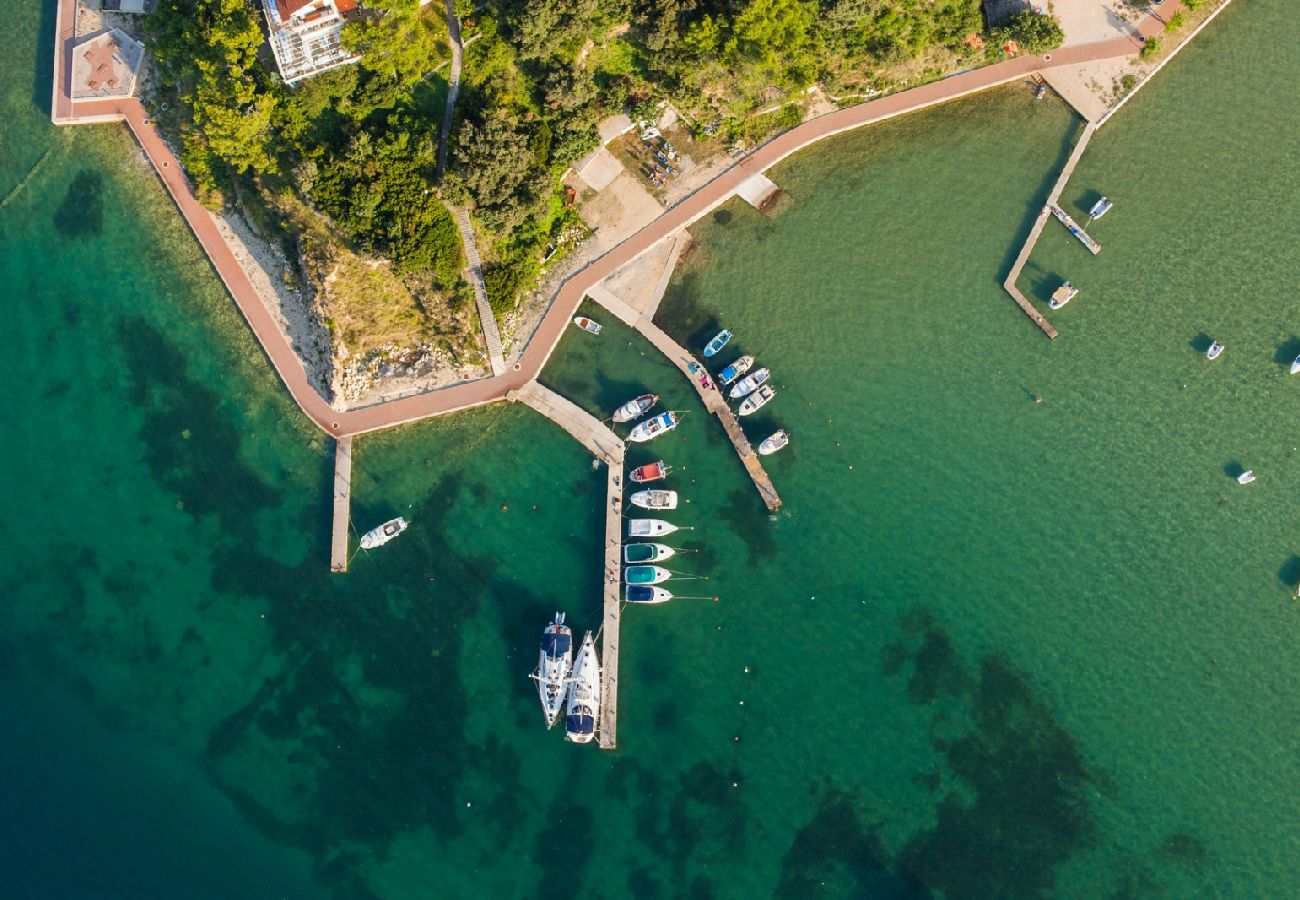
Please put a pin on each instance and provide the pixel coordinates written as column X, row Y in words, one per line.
column 584, row 694
column 634, row 409
column 757, row 400
column 750, row 383
column 553, row 664
column 653, row 428
column 655, row 499
column 382, row 534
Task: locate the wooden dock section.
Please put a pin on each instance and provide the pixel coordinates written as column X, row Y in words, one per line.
column 1084, row 238
column 716, row 404
column 342, row 503
column 1034, row 233
column 582, row 425
column 613, row 608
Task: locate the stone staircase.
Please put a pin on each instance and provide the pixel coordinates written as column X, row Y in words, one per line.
column 474, row 272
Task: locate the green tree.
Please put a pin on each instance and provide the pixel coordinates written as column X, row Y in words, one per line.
column 404, row 42
column 1033, row 32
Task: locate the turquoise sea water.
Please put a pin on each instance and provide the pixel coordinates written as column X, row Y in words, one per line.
column 990, row 648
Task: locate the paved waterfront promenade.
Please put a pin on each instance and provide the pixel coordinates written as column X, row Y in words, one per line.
column 65, row 111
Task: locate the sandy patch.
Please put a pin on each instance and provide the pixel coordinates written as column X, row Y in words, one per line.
column 600, row 169
column 1088, row 21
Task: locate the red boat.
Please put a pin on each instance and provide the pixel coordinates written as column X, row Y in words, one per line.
column 652, row 472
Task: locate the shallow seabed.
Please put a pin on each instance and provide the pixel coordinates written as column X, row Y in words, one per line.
column 990, row 648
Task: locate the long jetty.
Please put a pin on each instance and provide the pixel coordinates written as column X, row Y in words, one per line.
column 608, row 447
column 1036, row 231
column 342, row 504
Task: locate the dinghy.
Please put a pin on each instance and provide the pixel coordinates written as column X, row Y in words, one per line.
column 643, row 593
column 1215, row 350
column 653, row 428
column 749, row 383
column 646, row 553
column 655, row 499
column 1063, row 295
column 757, row 400
column 719, row 341
column 735, row 370
column 651, row 472
column 584, row 694
column 1295, row 365
column 1246, row 477
column 1100, row 208
column 634, row 409
column 645, row 574
column 382, row 534
column 553, row 665
column 773, row 442
column 587, row 324
column 649, row 527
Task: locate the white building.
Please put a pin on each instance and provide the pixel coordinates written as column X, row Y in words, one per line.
column 305, row 35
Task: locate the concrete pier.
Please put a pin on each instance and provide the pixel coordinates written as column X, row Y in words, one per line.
column 582, row 425
column 716, row 404
column 1037, row 230
column 613, row 607
column 342, row 504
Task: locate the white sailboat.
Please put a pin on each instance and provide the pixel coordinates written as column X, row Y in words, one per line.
column 553, row 664
column 584, row 694
column 382, row 534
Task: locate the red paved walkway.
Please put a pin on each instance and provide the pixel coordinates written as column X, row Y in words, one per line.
column 462, row 396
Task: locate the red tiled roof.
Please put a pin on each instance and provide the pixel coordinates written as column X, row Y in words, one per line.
column 288, row 7
column 346, row 6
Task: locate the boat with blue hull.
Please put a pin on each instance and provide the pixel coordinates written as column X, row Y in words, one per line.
column 719, row 341
column 647, row 553
column 646, row 575
column 735, row 370
column 553, row 665
column 646, row 594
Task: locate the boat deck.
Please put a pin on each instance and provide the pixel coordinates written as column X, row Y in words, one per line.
column 342, row 503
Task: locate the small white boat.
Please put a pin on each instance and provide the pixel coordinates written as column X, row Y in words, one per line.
column 719, row 341
column 1295, row 365
column 1246, row 477
column 649, row 527
column 653, row 428
column 647, row 553
column 774, row 442
column 1063, row 295
column 646, row 575
column 750, row 383
column 634, row 409
column 587, row 324
column 757, row 400
column 655, row 499
column 584, row 694
column 645, row 593
column 553, row 664
column 1215, row 350
column 735, row 370
column 1100, row 208
column 382, row 534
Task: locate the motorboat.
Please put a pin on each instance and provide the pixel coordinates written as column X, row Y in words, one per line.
column 382, row 534
column 646, row 574
column 655, row 499
column 757, row 400
column 1215, row 350
column 749, row 383
column 1246, row 477
column 587, row 324
column 584, row 694
column 719, row 341
column 635, row 409
column 647, row 553
column 1100, row 208
column 774, row 442
column 650, row 472
column 735, row 370
column 653, row 428
column 1063, row 295
column 644, row 593
column 1295, row 365
column 553, row 665
column 649, row 527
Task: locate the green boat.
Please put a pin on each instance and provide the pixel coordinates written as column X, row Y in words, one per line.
column 646, row 553
column 645, row 575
